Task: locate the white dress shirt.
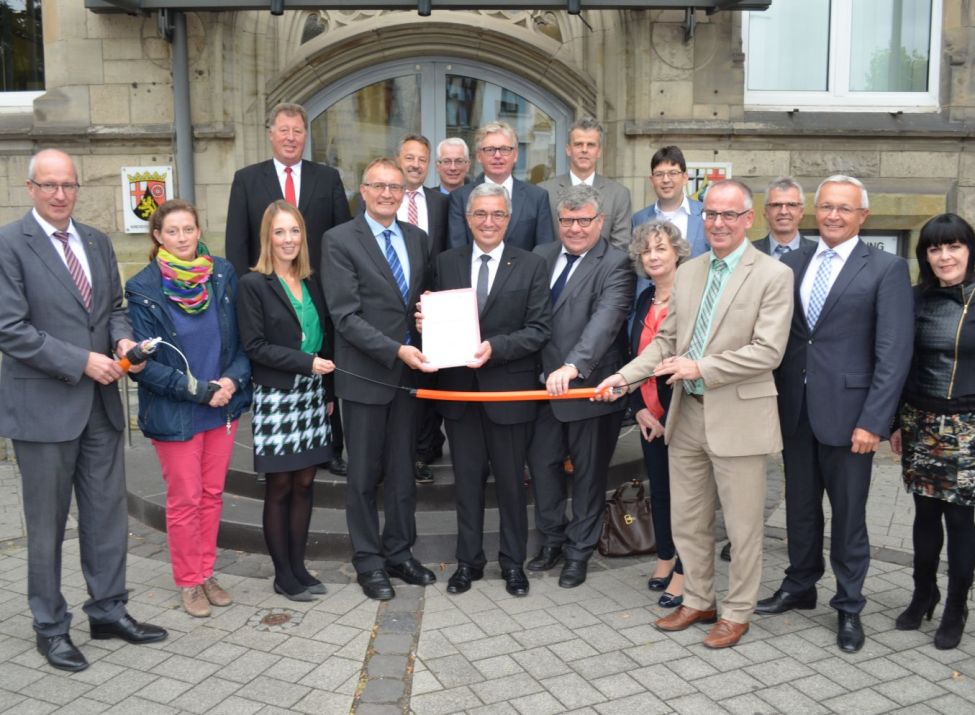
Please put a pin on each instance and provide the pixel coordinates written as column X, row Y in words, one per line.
column 679, row 217
column 403, row 212
column 283, row 177
column 74, row 240
column 843, row 252
column 576, row 181
column 508, row 183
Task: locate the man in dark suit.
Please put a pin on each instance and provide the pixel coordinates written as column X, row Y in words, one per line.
column 314, row 188
column 515, row 317
column 531, row 218
column 848, row 355
column 426, row 209
column 784, row 209
column 61, row 317
column 592, row 292
column 584, row 147
column 374, row 269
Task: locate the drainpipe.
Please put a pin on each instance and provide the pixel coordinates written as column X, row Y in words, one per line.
column 183, row 127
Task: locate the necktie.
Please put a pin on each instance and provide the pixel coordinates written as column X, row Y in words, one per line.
column 820, row 288
column 75, row 269
column 395, row 266
column 482, row 283
column 289, row 187
column 412, row 215
column 563, row 277
column 700, row 336
column 781, row 250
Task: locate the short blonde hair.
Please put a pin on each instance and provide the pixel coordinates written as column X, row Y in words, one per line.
column 265, row 263
column 495, row 128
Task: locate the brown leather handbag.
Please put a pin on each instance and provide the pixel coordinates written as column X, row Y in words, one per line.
column 627, row 526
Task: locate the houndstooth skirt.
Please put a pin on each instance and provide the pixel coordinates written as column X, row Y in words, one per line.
column 291, row 427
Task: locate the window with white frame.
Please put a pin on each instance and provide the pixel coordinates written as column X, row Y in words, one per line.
column 21, row 52
column 882, row 55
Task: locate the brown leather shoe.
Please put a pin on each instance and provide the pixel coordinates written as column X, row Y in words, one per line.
column 195, row 601
column 215, row 593
column 725, row 634
column 685, row 617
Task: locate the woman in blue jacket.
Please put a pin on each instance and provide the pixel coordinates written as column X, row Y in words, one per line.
column 190, row 401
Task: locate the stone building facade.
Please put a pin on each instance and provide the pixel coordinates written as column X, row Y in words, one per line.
column 108, row 100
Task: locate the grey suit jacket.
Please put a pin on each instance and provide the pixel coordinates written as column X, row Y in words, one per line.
column 46, row 333
column 615, row 200
column 586, row 323
column 371, row 321
column 765, row 244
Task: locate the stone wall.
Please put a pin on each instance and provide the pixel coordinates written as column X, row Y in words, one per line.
column 109, row 101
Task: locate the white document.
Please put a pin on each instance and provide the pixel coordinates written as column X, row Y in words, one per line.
column 451, row 330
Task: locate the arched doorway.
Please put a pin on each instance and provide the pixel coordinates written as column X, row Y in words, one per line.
column 364, row 115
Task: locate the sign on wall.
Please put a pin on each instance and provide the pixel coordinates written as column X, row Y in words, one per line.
column 701, row 174
column 144, row 188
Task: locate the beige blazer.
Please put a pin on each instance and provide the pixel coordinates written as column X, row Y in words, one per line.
column 748, row 338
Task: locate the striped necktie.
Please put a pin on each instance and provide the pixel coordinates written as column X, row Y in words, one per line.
column 820, row 288
column 699, row 338
column 75, row 269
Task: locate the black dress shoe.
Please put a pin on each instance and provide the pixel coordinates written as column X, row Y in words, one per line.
column 547, row 557
column 726, row 552
column 339, row 467
column 849, row 635
column 573, row 573
column 780, row 602
column 128, row 629
column 376, row 585
column 422, row 473
column 460, row 581
column 516, row 582
column 413, row 572
column 61, row 653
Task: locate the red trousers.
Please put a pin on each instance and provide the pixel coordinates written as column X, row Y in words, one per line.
column 195, row 472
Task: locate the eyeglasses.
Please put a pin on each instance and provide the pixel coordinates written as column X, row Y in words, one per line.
column 671, row 174
column 845, row 211
column 496, row 215
column 583, row 221
column 453, row 162
column 779, row 205
column 381, row 186
column 49, row 189
column 726, row 216
column 492, row 150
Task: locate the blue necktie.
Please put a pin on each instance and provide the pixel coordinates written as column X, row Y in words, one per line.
column 781, row 250
column 563, row 277
column 820, row 288
column 395, row 266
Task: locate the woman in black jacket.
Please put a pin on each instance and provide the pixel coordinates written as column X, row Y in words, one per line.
column 936, row 438
column 286, row 335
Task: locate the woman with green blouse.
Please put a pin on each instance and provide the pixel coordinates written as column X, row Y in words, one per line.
column 286, row 333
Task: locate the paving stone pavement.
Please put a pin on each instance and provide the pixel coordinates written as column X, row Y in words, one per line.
column 586, row 650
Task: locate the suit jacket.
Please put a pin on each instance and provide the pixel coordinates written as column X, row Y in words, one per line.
column 851, row 366
column 46, row 333
column 516, row 320
column 765, row 244
column 322, row 203
column 438, row 205
column 749, row 330
column 588, row 324
column 530, row 224
column 644, row 301
column 615, row 200
column 270, row 331
column 371, row 321
column 695, row 226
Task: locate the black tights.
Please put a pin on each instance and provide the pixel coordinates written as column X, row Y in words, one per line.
column 287, row 514
column 929, row 538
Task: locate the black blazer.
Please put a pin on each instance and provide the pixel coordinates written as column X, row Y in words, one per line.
column 530, row 224
column 322, row 203
column 516, row 320
column 664, row 391
column 437, row 205
column 371, row 320
column 271, row 332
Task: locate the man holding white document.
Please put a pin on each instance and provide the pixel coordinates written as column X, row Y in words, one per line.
column 511, row 287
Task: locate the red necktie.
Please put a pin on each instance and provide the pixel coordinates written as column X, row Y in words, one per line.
column 75, row 269
column 289, row 188
column 412, row 215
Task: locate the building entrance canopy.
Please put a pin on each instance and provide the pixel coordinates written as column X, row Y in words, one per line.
column 423, row 7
